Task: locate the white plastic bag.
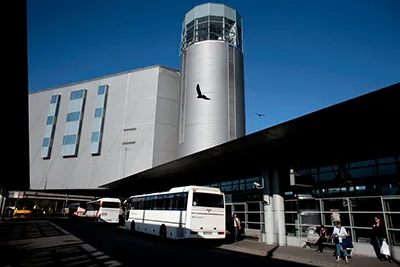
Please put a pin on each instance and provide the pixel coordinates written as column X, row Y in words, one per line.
column 385, row 249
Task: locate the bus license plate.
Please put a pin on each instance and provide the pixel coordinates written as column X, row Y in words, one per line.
column 208, row 233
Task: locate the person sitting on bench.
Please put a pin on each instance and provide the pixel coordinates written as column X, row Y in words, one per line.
column 323, row 238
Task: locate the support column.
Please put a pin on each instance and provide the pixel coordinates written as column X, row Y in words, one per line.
column 3, row 197
column 268, row 236
column 279, row 209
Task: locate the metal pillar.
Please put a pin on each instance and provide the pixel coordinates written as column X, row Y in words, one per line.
column 268, row 236
column 278, row 210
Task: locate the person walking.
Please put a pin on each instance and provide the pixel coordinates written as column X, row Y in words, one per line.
column 379, row 233
column 340, row 233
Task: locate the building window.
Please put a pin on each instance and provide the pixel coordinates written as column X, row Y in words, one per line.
column 69, row 139
column 76, row 94
column 46, row 142
column 101, row 90
column 53, row 99
column 95, row 137
column 74, row 116
column 50, row 120
column 98, row 112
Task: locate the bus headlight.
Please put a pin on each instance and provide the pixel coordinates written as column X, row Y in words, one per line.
column 104, row 214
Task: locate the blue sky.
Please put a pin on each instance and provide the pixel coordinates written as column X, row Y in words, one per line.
column 300, row 56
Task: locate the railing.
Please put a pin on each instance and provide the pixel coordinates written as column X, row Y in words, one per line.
column 356, row 214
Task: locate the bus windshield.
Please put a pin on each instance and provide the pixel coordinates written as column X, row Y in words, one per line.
column 208, row 200
column 111, row 205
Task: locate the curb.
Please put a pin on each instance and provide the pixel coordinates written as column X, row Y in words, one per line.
column 280, row 257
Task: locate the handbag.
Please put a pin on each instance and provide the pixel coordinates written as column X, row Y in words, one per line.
column 335, row 239
column 347, row 242
column 385, row 250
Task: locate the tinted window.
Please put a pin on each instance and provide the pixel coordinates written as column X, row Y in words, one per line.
column 101, row 90
column 112, row 205
column 53, row 99
column 208, row 200
column 141, row 203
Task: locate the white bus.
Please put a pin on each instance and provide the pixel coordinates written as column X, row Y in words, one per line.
column 103, row 210
column 190, row 212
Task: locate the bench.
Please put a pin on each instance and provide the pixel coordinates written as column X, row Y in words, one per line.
column 328, row 244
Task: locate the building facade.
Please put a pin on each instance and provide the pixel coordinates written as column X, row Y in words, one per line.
column 371, row 189
column 212, row 108
column 90, row 133
column 94, row 132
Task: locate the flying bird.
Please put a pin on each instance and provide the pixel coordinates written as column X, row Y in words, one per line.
column 199, row 94
column 259, row 115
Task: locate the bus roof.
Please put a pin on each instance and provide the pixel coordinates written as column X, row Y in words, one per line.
column 106, row 199
column 195, row 188
column 184, row 189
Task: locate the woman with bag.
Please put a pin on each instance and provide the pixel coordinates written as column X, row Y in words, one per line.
column 339, row 234
column 380, row 240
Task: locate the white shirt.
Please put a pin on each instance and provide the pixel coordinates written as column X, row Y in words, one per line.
column 236, row 221
column 341, row 233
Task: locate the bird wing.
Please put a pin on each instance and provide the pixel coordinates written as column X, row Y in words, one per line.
column 198, row 90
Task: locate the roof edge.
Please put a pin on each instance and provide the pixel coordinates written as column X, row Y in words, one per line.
column 104, row 77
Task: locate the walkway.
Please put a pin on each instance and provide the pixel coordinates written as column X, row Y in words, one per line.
column 301, row 255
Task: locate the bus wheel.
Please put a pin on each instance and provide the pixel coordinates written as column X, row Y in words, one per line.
column 163, row 232
column 133, row 229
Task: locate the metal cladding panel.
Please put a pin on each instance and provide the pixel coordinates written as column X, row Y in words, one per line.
column 72, row 127
column 240, row 113
column 48, row 130
column 97, row 123
column 206, row 123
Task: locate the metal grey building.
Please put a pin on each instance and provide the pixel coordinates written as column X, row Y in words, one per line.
column 93, row 132
column 211, row 65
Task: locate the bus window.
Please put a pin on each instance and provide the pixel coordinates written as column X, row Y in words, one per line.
column 110, row 205
column 170, row 202
column 134, row 204
column 159, row 202
column 149, row 202
column 141, row 203
column 208, row 200
column 181, row 201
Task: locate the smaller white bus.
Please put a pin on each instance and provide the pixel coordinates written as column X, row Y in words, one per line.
column 103, row 210
column 189, row 212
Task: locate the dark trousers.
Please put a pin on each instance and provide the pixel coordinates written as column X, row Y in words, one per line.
column 236, row 233
column 320, row 243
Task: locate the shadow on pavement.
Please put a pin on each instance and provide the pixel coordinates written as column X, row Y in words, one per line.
column 63, row 242
column 131, row 248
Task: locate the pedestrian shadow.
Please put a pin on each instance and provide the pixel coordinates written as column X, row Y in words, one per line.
column 270, row 253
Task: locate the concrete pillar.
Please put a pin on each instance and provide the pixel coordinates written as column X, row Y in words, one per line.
column 278, row 209
column 268, row 236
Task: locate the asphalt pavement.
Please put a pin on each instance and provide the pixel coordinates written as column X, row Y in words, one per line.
column 61, row 242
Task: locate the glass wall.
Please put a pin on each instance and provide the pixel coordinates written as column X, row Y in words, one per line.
column 356, row 214
column 244, row 199
column 212, row 28
column 355, row 193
